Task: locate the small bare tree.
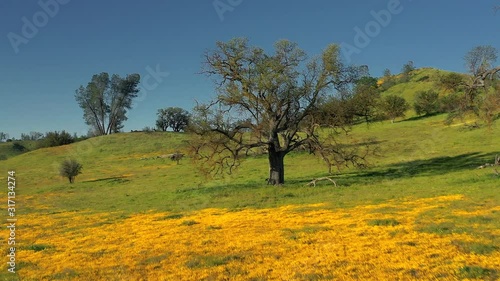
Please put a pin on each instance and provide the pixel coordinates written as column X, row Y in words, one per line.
column 176, row 157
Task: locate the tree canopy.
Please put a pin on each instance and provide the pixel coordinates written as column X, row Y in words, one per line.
column 175, row 118
column 394, row 106
column 406, row 71
column 70, row 169
column 105, row 101
column 3, row 136
column 480, row 59
column 268, row 102
column 482, row 90
column 426, row 102
column 451, row 82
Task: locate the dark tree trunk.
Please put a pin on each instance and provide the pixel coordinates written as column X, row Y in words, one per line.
column 276, row 167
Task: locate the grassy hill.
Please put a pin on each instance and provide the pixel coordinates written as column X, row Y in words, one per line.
column 421, row 211
column 126, row 166
column 422, row 79
column 7, row 148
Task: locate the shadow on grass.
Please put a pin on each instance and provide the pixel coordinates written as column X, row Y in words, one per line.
column 420, row 117
column 416, row 168
column 428, row 167
column 119, row 179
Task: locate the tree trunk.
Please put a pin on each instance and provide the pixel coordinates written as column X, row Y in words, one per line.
column 276, row 167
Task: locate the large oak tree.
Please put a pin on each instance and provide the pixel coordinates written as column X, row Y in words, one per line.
column 269, row 102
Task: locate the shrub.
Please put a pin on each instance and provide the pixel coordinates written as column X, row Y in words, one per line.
column 393, row 106
column 387, row 82
column 70, row 169
column 56, row 139
column 426, row 102
column 451, row 82
column 450, row 103
column 18, row 147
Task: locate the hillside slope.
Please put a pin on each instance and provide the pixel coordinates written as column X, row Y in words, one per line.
column 121, row 171
column 133, row 216
column 422, row 79
column 7, row 149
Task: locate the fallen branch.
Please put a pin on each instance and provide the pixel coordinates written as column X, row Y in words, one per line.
column 313, row 182
column 485, row 166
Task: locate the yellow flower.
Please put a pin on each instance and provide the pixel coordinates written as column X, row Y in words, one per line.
column 286, row 243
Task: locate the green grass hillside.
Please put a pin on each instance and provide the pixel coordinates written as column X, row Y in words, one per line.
column 419, row 157
column 422, row 79
column 424, row 186
column 134, row 212
column 7, row 149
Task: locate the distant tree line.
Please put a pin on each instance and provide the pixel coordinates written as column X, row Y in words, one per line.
column 36, row 140
column 175, row 118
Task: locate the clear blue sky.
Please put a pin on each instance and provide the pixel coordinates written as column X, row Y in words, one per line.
column 82, row 38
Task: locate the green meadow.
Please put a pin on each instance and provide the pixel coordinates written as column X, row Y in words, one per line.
column 418, row 157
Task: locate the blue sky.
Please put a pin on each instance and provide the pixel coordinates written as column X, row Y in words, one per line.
column 75, row 39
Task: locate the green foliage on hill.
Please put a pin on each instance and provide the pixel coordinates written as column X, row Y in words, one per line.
column 421, row 80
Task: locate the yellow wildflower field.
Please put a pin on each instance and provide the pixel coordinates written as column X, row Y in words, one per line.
column 306, row 242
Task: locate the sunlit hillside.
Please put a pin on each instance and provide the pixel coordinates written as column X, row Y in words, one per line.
column 421, row 211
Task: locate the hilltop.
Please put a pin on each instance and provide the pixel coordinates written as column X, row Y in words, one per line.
column 422, row 79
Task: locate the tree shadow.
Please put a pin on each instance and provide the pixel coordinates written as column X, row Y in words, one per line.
column 118, row 179
column 415, row 168
column 428, row 167
column 420, row 117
